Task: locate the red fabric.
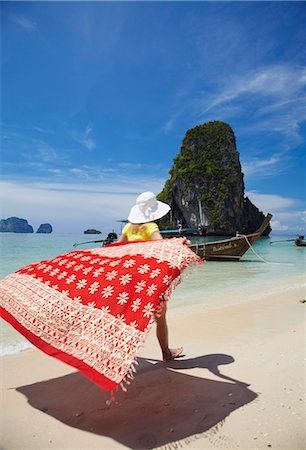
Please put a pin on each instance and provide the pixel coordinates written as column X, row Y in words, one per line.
column 93, row 308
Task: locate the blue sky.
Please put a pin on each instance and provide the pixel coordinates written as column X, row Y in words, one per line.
column 97, row 97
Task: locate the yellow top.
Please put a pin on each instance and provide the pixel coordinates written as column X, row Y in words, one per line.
column 142, row 232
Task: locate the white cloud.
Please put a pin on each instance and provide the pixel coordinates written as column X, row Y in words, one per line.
column 42, row 130
column 74, row 207
column 262, row 167
column 271, row 202
column 292, row 215
column 279, row 82
column 270, row 99
column 286, row 215
column 133, row 166
column 45, row 151
column 87, row 140
column 276, row 80
column 84, row 138
column 141, row 166
column 25, row 23
column 279, row 105
column 168, row 125
column 79, row 172
column 277, row 226
column 33, row 150
column 293, row 219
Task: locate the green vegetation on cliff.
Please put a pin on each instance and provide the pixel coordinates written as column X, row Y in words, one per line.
column 202, row 152
column 207, row 166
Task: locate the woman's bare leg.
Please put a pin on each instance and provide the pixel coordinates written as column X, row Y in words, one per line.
column 162, row 336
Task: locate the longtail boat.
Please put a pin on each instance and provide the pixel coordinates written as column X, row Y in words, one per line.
column 300, row 242
column 231, row 249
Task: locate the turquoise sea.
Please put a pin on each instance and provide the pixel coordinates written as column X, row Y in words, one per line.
column 270, row 268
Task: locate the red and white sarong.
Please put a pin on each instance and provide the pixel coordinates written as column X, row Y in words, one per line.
column 93, row 308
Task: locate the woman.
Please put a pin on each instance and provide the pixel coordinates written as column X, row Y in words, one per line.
column 141, row 226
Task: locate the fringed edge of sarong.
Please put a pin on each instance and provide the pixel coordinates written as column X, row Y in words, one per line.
column 164, row 298
column 186, row 272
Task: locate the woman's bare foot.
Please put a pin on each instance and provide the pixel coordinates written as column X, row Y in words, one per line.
column 172, row 353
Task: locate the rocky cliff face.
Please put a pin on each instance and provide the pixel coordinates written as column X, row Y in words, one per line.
column 15, row 225
column 44, row 228
column 206, row 186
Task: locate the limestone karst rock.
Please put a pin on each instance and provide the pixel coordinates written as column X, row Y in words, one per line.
column 44, row 228
column 15, row 225
column 206, row 186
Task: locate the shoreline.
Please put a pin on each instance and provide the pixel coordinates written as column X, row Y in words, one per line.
column 179, row 303
column 240, row 385
column 234, row 297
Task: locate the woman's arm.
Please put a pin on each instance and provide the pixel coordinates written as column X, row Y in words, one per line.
column 122, row 238
column 156, row 236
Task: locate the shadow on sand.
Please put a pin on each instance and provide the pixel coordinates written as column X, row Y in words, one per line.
column 160, row 406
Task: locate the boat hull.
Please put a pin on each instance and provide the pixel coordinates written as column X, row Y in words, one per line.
column 300, row 244
column 226, row 250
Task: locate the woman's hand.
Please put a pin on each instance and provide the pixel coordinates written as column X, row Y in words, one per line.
column 186, row 241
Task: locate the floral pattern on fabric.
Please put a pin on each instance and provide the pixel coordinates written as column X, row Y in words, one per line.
column 93, row 308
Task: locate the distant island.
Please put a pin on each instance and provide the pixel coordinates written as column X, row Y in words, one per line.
column 92, row 231
column 44, row 228
column 15, row 225
column 18, row 225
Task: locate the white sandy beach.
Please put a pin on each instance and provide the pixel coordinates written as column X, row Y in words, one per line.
column 241, row 384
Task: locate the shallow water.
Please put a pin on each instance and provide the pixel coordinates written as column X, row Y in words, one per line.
column 264, row 268
column 274, row 267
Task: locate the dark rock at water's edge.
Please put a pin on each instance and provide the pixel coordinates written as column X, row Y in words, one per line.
column 44, row 228
column 92, row 231
column 206, row 187
column 15, row 225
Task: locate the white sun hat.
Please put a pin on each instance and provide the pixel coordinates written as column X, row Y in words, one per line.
column 147, row 209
